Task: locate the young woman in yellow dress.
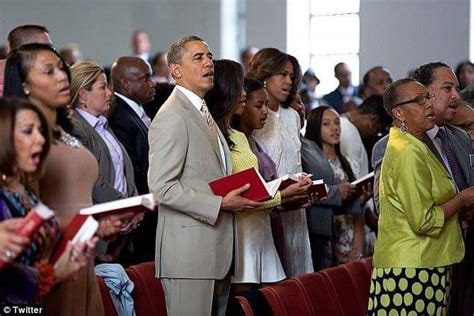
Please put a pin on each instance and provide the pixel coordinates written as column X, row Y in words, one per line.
column 256, row 258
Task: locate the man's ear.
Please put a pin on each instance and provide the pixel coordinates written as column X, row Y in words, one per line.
column 175, row 70
column 125, row 84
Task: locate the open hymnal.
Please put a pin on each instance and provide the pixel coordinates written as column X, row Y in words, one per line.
column 135, row 204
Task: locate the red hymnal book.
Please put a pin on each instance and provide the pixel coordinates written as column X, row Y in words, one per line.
column 319, row 187
column 364, row 183
column 32, row 222
column 259, row 189
column 135, row 204
column 290, row 178
column 81, row 229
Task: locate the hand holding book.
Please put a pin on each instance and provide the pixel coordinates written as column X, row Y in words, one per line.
column 234, row 202
column 11, row 244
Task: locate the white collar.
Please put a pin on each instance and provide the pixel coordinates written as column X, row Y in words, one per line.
column 192, row 97
column 137, row 108
column 433, row 132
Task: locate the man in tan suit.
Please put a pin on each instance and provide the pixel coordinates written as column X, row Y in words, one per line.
column 194, row 239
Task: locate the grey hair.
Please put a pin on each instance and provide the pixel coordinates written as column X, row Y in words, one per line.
column 177, row 49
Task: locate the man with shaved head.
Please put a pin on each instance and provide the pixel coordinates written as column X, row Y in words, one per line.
column 21, row 35
column 133, row 87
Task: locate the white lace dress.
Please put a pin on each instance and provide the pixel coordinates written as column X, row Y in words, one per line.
column 280, row 140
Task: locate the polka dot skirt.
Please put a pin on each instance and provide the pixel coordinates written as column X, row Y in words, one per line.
column 409, row 291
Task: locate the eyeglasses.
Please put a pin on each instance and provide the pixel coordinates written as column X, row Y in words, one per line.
column 421, row 99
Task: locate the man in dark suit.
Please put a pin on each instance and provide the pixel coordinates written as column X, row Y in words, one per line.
column 131, row 79
column 345, row 91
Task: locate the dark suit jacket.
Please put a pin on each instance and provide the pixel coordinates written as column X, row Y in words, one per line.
column 321, row 216
column 133, row 134
column 103, row 190
column 334, row 99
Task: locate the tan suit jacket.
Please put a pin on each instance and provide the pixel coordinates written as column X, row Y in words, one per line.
column 194, row 239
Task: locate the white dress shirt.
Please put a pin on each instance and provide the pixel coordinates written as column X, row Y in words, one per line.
column 197, row 102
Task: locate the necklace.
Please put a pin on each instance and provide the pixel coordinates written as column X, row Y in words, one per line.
column 68, row 139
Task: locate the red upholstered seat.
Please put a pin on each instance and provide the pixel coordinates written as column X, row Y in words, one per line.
column 109, row 307
column 321, row 295
column 288, row 298
column 360, row 277
column 341, row 281
column 148, row 294
column 244, row 303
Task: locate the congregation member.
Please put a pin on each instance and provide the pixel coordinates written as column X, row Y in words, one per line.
column 257, row 261
column 141, row 46
column 419, row 233
column 24, row 149
column 246, row 56
column 375, row 81
column 464, row 118
column 194, row 236
column 133, row 87
column 345, row 91
column 161, row 72
column 465, row 74
column 37, row 72
column 90, row 100
column 348, row 238
column 279, row 138
column 20, row 35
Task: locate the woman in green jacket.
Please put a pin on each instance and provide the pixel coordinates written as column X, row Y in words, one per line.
column 419, row 232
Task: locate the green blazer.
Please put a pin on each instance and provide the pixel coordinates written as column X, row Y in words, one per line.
column 412, row 230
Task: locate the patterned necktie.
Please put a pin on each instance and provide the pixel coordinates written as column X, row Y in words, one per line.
column 210, row 121
column 452, row 160
column 146, row 119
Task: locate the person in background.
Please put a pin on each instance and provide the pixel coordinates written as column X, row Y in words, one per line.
column 246, row 56
column 308, row 91
column 29, row 276
column 376, row 81
column 464, row 118
column 345, row 91
column 419, row 235
column 348, row 239
column 279, row 138
column 465, row 74
column 20, row 35
column 71, row 54
column 141, row 45
column 161, row 71
column 133, row 87
column 90, row 100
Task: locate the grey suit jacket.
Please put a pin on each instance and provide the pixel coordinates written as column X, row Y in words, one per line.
column 103, row 190
column 321, row 216
column 194, row 239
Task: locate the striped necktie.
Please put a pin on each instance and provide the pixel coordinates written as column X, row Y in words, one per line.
column 210, row 121
column 453, row 162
